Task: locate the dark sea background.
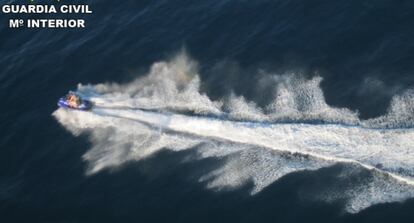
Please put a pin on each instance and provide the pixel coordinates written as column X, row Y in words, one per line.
column 348, row 43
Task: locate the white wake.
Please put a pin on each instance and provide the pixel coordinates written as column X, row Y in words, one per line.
column 261, row 145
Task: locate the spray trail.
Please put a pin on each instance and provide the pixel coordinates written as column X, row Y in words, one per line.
column 340, row 143
column 260, row 144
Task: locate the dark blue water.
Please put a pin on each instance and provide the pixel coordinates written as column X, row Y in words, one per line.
column 42, row 175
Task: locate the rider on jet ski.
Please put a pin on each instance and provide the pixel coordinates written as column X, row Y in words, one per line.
column 73, row 100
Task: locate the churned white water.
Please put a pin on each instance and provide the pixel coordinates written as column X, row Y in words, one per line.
column 261, row 145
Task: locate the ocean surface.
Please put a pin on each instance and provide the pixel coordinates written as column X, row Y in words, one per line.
column 211, row 111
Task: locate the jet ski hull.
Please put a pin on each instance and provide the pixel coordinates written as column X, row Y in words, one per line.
column 84, row 106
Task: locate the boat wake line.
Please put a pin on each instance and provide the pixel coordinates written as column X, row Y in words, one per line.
column 155, row 112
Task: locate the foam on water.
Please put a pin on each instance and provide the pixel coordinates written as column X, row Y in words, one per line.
column 258, row 145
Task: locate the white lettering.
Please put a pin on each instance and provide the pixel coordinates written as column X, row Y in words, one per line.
column 14, row 23
column 28, row 9
column 56, row 23
column 75, row 9
column 5, row 9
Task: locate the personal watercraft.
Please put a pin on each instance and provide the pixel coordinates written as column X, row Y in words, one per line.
column 74, row 101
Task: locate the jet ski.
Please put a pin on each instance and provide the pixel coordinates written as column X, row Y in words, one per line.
column 74, row 101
